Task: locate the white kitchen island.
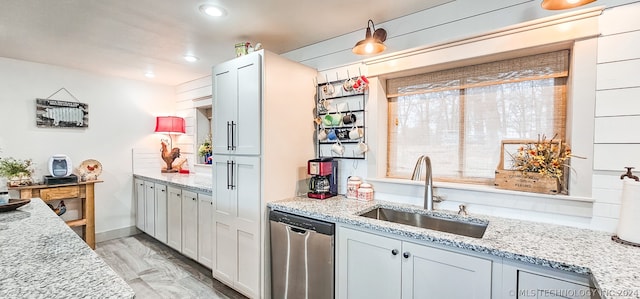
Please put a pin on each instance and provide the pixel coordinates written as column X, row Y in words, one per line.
column 41, row 257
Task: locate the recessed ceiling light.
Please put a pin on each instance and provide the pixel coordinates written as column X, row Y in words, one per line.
column 212, row 10
column 149, row 74
column 191, row 58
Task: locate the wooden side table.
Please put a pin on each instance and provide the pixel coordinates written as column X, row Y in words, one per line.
column 81, row 190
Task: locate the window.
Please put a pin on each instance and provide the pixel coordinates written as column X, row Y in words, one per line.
column 459, row 116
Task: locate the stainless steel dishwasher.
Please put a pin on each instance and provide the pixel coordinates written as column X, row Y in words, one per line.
column 302, row 254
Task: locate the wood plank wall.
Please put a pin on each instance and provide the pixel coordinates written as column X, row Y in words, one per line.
column 189, row 95
column 617, row 111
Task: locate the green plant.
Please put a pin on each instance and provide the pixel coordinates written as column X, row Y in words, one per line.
column 205, row 147
column 11, row 167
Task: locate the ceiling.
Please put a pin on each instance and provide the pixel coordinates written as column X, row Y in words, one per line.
column 128, row 38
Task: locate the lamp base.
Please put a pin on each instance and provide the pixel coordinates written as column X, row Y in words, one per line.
column 168, row 171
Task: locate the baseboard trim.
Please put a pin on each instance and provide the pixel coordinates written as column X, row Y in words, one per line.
column 117, row 233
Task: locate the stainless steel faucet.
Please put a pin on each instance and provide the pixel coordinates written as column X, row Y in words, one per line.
column 428, row 181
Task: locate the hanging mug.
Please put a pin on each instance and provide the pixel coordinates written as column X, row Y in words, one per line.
column 348, row 85
column 322, row 135
column 355, row 133
column 338, row 148
column 328, row 89
column 361, row 148
column 349, row 118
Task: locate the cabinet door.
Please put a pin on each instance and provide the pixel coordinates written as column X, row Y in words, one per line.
column 205, row 225
column 236, row 222
column 538, row 286
column 149, row 209
column 190, row 224
column 174, row 218
column 140, row 204
column 225, row 105
column 428, row 272
column 369, row 266
column 247, row 130
column 237, row 91
column 161, row 212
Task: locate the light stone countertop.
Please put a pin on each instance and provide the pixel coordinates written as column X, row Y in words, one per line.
column 196, row 182
column 614, row 267
column 41, row 257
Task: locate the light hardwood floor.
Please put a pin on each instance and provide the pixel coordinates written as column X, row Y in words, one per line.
column 154, row 270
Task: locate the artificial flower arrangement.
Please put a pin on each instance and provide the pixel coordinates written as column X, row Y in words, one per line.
column 205, row 150
column 546, row 156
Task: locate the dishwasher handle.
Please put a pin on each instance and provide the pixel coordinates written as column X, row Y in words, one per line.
column 303, row 223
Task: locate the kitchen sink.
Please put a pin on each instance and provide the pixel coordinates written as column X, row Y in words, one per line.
column 429, row 221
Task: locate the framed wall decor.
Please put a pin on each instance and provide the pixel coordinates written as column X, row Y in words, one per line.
column 61, row 114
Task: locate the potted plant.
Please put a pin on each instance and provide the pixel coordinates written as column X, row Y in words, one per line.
column 205, row 150
column 17, row 172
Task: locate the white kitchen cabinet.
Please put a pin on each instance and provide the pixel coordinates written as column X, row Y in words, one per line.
column 368, row 265
column 236, row 222
column 161, row 212
column 237, row 106
column 149, row 209
column 429, row 272
column 140, row 204
column 375, row 266
column 259, row 96
column 205, row 230
column 190, row 224
column 174, row 218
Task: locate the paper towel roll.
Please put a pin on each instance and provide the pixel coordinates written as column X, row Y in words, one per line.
column 629, row 223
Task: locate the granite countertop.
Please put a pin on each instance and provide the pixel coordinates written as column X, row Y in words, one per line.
column 614, row 267
column 41, row 257
column 196, row 182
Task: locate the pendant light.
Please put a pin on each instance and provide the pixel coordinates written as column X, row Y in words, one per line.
column 371, row 44
column 563, row 4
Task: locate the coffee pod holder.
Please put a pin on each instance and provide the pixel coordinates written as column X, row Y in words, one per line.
column 338, row 103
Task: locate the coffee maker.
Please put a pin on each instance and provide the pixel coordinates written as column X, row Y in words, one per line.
column 324, row 178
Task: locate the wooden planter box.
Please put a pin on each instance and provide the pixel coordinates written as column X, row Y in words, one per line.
column 524, row 181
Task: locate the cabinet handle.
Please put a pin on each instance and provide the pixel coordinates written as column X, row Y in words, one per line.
column 162, row 190
column 193, row 199
column 233, row 140
column 233, row 165
column 406, row 255
column 394, row 252
column 228, row 185
column 228, row 143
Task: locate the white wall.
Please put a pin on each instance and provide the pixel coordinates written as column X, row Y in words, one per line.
column 610, row 141
column 121, row 117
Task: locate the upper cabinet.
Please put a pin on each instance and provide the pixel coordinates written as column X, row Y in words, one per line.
column 237, row 106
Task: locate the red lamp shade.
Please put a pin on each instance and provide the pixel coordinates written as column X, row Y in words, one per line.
column 170, row 124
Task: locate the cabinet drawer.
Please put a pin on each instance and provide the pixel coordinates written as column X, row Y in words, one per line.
column 60, row 193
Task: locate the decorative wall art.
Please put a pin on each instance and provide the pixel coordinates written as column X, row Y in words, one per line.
column 52, row 113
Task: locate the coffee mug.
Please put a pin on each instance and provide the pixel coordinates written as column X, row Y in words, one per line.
column 349, row 118
column 348, row 85
column 361, row 148
column 355, row 133
column 322, row 106
column 328, row 89
column 336, row 120
column 338, row 148
column 332, row 135
column 328, row 120
column 322, row 135
column 342, row 134
column 318, row 120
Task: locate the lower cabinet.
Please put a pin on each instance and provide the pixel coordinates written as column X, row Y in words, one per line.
column 180, row 218
column 205, row 230
column 161, row 212
column 190, row 224
column 236, row 223
column 174, row 218
column 151, row 203
column 375, row 266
